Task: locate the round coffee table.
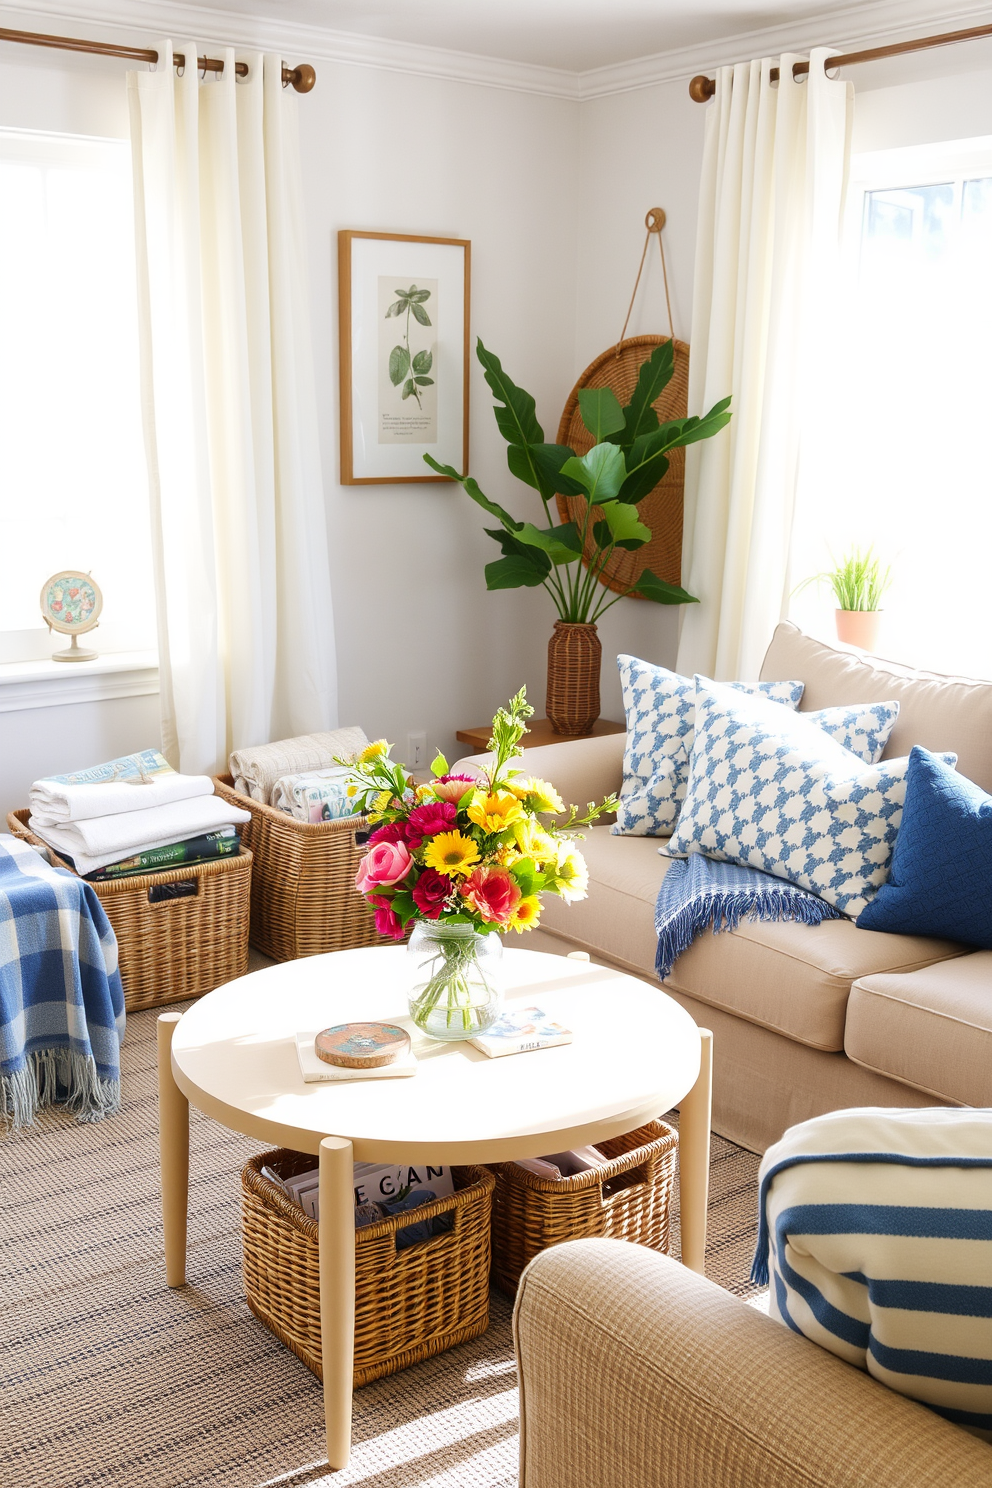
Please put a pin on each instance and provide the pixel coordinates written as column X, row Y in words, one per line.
column 635, row 1053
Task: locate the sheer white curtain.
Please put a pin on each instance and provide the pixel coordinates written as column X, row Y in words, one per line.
column 246, row 645
column 774, row 170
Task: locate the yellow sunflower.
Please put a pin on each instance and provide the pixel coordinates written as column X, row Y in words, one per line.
column 451, row 853
column 526, row 914
column 496, row 812
column 374, row 751
column 539, row 795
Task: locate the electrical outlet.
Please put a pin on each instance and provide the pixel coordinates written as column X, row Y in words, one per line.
column 416, row 750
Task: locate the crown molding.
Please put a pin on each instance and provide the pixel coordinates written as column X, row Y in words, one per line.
column 146, row 21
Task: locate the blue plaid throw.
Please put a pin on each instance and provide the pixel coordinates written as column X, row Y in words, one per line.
column 697, row 892
column 61, row 1000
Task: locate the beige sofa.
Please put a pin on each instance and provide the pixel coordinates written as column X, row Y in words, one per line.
column 635, row 1373
column 805, row 1019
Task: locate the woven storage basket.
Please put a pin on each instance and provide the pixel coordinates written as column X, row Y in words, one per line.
column 628, row 1199
column 176, row 944
column 409, row 1304
column 303, row 895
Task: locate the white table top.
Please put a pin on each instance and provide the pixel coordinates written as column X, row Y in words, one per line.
column 234, row 1057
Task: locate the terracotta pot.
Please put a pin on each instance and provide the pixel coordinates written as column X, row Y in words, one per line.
column 858, row 627
column 574, row 658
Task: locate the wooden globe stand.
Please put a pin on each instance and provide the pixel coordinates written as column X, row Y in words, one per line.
column 74, row 652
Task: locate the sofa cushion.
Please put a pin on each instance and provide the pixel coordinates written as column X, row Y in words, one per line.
column 941, row 713
column 769, row 789
column 792, row 978
column 940, row 882
column 660, row 709
column 931, row 1029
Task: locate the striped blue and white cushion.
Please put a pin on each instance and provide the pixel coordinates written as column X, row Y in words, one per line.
column 877, row 1228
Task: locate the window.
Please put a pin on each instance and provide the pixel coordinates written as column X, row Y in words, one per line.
column 900, row 443
column 73, row 483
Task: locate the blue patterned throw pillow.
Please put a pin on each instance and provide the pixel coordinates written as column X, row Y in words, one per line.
column 771, row 790
column 940, row 882
column 660, row 707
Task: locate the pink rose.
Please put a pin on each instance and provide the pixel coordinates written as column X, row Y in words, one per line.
column 453, row 787
column 493, row 893
column 384, row 864
column 430, row 892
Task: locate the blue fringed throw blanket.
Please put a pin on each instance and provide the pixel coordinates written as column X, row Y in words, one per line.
column 61, row 1000
column 697, row 892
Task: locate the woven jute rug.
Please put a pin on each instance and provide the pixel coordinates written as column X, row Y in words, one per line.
column 108, row 1377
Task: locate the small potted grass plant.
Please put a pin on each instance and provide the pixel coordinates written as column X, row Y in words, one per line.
column 859, row 583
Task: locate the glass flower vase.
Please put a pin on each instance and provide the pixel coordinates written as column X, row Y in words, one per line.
column 454, row 978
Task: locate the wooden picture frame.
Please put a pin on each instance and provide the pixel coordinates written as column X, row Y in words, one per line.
column 403, row 326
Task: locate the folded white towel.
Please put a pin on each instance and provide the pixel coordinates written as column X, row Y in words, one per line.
column 261, row 765
column 53, row 805
column 101, row 840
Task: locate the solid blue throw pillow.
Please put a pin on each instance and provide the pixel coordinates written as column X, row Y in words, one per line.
column 940, row 882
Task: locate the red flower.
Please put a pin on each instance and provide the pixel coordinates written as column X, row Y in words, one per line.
column 387, row 922
column 428, row 820
column 493, row 893
column 430, row 892
column 389, row 832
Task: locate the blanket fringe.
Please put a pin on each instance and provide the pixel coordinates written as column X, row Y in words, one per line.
column 58, row 1076
column 726, row 911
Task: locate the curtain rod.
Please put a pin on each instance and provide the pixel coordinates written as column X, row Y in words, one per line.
column 701, row 88
column 302, row 77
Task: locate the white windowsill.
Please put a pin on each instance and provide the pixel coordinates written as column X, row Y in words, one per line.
column 53, row 684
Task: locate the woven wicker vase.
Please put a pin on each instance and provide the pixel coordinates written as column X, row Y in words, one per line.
column 574, row 657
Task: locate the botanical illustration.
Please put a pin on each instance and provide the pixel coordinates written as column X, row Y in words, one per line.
column 408, row 368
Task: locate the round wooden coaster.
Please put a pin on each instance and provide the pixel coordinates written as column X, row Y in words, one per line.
column 361, row 1045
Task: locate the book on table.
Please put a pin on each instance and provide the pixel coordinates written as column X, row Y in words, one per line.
column 519, row 1031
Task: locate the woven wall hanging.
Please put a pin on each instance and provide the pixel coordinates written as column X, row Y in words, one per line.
column 617, row 368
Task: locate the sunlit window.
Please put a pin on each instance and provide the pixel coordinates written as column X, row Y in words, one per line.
column 900, row 446
column 73, row 485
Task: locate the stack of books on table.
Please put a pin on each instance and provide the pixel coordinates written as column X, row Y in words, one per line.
column 381, row 1191
column 133, row 815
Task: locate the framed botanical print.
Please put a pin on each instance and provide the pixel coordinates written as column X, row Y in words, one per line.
column 404, row 355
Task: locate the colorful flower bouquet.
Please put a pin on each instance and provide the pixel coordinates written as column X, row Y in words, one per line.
column 466, row 859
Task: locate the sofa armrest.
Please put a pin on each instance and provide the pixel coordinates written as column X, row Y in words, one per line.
column 636, row 1373
column 581, row 770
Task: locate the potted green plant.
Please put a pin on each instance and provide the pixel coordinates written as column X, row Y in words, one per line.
column 627, row 460
column 858, row 582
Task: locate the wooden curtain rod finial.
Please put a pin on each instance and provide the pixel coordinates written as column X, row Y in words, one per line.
column 702, row 88
column 302, row 77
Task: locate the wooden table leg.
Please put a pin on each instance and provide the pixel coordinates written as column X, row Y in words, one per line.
column 173, row 1136
column 337, row 1293
column 694, row 1158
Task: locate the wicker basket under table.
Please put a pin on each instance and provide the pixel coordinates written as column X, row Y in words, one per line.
column 303, row 896
column 173, row 944
column 627, row 1199
column 409, row 1304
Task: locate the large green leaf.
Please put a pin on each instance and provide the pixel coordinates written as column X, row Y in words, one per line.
column 562, row 544
column 419, row 313
column 517, row 421
column 600, row 473
column 418, row 296
column 655, row 375
column 651, row 587
column 601, row 411
column 519, row 570
column 396, row 308
column 624, row 524
column 647, row 460
column 472, row 489
column 423, row 361
column 643, row 478
column 539, row 465
column 424, row 381
column 408, row 388
column 604, row 538
column 399, row 364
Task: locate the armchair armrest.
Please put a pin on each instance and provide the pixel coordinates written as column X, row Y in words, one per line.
column 636, row 1373
column 581, row 770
